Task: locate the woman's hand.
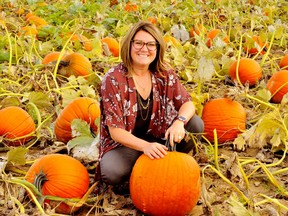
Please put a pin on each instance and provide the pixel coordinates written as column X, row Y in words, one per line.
column 176, row 132
column 155, row 150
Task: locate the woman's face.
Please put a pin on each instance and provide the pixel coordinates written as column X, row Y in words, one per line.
column 143, row 54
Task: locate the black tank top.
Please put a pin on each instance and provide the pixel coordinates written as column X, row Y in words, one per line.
column 143, row 118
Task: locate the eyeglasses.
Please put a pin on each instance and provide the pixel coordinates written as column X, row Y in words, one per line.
column 151, row 45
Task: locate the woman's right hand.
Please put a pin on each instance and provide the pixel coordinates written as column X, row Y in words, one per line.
column 155, row 150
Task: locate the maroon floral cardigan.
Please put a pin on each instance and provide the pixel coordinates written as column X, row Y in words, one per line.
column 119, row 104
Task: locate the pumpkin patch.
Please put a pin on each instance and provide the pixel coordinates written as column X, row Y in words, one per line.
column 167, row 186
column 232, row 173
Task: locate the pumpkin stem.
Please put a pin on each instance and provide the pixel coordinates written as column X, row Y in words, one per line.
column 167, row 144
column 39, row 181
column 64, row 63
column 93, row 132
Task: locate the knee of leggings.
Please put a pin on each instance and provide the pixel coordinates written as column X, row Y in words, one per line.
column 195, row 125
column 112, row 176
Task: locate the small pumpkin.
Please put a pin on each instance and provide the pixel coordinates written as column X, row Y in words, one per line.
column 278, row 85
column 28, row 31
column 112, row 44
column 131, row 7
column 212, row 34
column 84, row 108
column 60, row 176
column 167, row 186
column 17, row 126
column 256, row 46
column 51, row 57
column 249, row 71
column 226, row 116
column 283, row 64
column 86, row 43
column 75, row 64
column 37, row 21
column 152, row 20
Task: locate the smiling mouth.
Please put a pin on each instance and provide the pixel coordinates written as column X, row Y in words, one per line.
column 143, row 55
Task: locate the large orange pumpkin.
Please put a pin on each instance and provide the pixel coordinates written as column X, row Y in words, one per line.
column 167, row 186
column 278, row 85
column 61, row 176
column 226, row 116
column 16, row 126
column 84, row 108
column 249, row 71
column 75, row 64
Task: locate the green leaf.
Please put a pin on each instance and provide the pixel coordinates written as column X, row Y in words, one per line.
column 17, row 156
column 84, row 141
column 80, row 128
column 4, row 56
column 40, row 99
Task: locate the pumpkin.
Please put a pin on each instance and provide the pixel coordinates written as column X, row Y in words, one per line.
column 256, row 46
column 152, row 20
column 167, row 186
column 226, row 116
column 131, row 6
column 75, row 64
column 60, row 176
column 278, row 85
column 28, row 31
column 283, row 64
column 51, row 57
column 17, row 126
column 37, row 21
column 86, row 43
column 249, row 71
column 212, row 34
column 112, row 44
column 84, row 108
column 29, row 14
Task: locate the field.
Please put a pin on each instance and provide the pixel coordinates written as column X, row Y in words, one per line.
column 247, row 175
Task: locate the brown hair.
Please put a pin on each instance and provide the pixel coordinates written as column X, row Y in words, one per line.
column 158, row 65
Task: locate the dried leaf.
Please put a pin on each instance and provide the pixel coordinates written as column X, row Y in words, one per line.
column 205, row 70
column 238, row 208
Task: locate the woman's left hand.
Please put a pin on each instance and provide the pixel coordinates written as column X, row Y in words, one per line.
column 176, row 132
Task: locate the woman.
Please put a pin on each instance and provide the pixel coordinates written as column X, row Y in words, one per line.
column 143, row 104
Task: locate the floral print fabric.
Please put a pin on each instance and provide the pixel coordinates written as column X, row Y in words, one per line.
column 119, row 103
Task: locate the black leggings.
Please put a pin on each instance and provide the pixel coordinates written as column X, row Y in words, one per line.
column 116, row 165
